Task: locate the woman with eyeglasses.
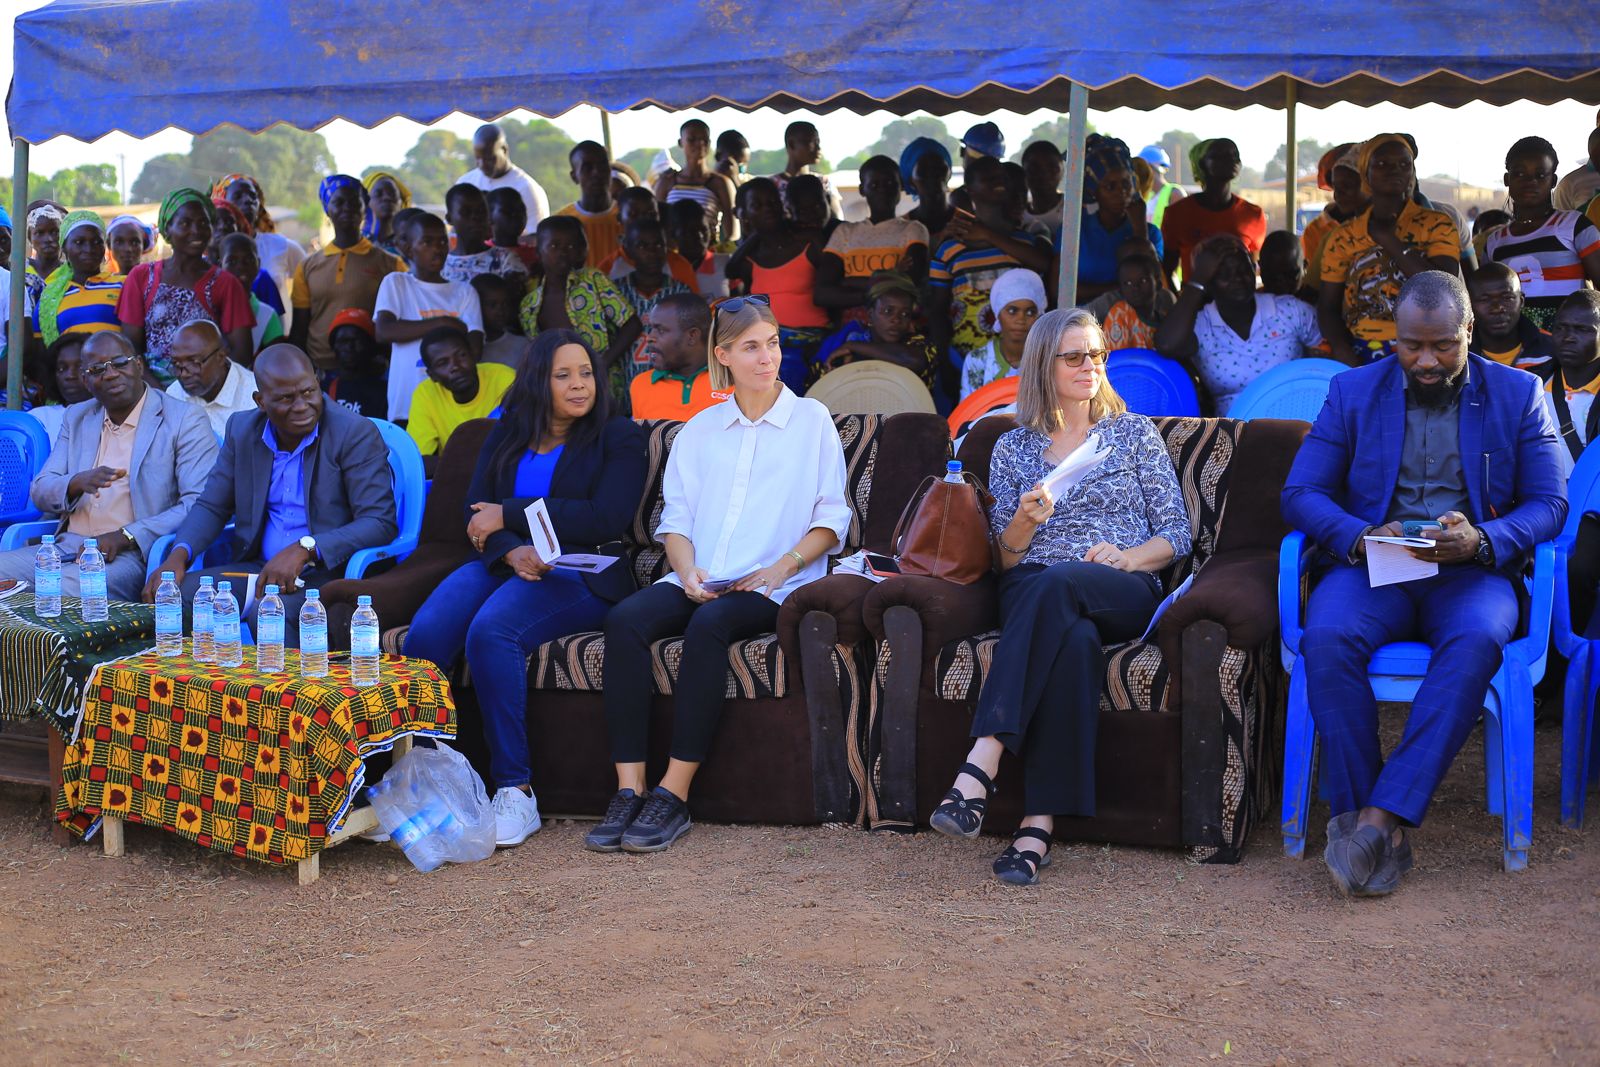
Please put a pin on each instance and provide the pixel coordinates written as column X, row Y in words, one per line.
column 1075, row 574
column 754, row 503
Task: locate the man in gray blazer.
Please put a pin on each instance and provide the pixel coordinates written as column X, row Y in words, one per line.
column 126, row 466
column 305, row 482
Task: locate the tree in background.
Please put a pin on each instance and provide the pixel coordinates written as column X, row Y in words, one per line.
column 891, row 142
column 1306, row 165
column 641, row 160
column 1177, row 143
column 1055, row 132
column 541, row 148
column 164, row 173
column 92, row 185
column 432, row 165
column 288, row 163
column 39, row 188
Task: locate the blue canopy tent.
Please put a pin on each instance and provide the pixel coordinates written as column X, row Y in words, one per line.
column 86, row 68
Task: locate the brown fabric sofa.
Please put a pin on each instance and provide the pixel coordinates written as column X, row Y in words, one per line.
column 1186, row 720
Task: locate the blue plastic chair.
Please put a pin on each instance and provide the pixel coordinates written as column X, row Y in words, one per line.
column 1578, row 763
column 1151, row 384
column 24, row 446
column 1293, row 390
column 1396, row 673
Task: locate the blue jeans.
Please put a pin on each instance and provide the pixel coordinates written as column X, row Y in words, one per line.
column 499, row 621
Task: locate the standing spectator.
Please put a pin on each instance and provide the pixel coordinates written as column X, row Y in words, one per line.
column 207, row 378
column 347, row 273
column 361, row 381
column 1042, row 164
column 1572, row 373
column 495, row 170
column 1500, row 331
column 1214, row 209
column 1554, row 252
column 696, row 182
column 1339, row 173
column 600, row 215
column 1162, row 192
column 983, row 139
column 78, row 297
column 805, row 202
column 1365, row 260
column 884, row 242
column 230, row 220
column 1283, row 268
column 925, row 173
column 677, row 384
column 237, row 256
column 776, row 263
column 1579, row 187
column 159, row 297
column 44, row 237
column 640, row 203
column 411, row 304
column 508, row 217
column 689, row 241
column 804, row 147
column 1120, row 218
column 458, row 389
column 646, row 245
column 733, row 157
column 1130, row 313
column 388, row 196
column 278, row 254
column 467, row 212
column 1016, row 300
column 497, row 302
column 129, row 241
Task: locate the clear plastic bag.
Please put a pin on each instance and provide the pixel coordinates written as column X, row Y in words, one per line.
column 433, row 805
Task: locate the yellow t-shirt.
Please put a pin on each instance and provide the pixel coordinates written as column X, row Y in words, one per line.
column 435, row 413
column 1371, row 281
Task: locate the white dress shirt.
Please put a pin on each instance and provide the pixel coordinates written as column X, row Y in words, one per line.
column 744, row 493
column 237, row 394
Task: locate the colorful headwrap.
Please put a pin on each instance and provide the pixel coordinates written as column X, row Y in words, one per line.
column 913, row 153
column 227, row 207
column 146, row 235
column 177, row 199
column 47, row 209
column 60, row 280
column 1370, row 148
column 333, row 183
column 372, row 180
column 1330, row 159
column 1197, row 152
column 263, row 220
column 5, row 218
column 1102, row 155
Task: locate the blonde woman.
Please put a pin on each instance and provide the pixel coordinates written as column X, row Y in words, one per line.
column 1075, row 574
column 754, row 503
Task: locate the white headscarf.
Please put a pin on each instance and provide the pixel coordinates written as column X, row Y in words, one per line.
column 1016, row 284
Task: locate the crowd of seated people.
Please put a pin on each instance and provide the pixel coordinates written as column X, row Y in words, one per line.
column 224, row 380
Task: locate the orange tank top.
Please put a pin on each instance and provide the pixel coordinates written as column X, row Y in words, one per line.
column 790, row 287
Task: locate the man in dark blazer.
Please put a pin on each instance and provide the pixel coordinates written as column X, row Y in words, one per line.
column 305, row 482
column 1448, row 438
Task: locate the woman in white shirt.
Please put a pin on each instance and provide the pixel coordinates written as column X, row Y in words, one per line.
column 754, row 503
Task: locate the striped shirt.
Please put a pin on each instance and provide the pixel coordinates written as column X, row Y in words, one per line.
column 968, row 273
column 87, row 308
column 1549, row 260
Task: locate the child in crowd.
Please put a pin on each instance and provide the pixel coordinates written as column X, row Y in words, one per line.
column 458, row 389
column 1017, row 299
column 402, row 227
column 884, row 242
column 1130, row 313
column 1283, row 267
column 345, row 274
column 467, row 212
column 1499, row 329
column 805, row 201
column 640, row 203
column 508, row 217
column 677, row 382
column 649, row 281
column 778, row 262
column 411, row 304
column 689, row 239
column 1042, row 164
column 888, row 334
column 584, row 300
column 602, row 223
column 360, row 382
column 497, row 301
column 237, row 255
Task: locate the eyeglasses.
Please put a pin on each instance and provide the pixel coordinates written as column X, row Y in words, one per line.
column 1075, row 359
column 97, row 370
column 735, row 304
column 181, row 365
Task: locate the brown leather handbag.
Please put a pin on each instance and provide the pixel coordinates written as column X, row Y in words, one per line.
column 944, row 531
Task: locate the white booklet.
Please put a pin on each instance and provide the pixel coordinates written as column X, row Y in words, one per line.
column 856, row 563
column 1389, row 560
column 542, row 532
column 1079, row 462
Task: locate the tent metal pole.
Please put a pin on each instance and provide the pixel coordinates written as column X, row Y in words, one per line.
column 1072, row 195
column 1291, row 158
column 17, row 332
column 605, row 132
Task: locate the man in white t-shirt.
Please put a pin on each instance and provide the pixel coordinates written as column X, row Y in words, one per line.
column 496, row 171
column 410, row 304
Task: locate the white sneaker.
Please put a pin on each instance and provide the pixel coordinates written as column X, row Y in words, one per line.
column 516, row 817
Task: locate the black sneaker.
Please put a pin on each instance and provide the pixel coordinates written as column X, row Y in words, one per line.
column 664, row 819
column 623, row 809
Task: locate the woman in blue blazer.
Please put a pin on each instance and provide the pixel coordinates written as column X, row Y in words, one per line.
column 556, row 441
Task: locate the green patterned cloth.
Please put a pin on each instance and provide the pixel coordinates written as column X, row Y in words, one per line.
column 44, row 662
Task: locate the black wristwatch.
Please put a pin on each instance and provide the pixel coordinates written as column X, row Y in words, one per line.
column 1485, row 553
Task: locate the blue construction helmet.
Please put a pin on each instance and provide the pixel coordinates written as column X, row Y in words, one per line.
column 986, row 139
column 1155, row 155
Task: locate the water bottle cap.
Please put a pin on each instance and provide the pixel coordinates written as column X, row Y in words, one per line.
column 89, row 542
column 312, row 594
column 272, row 590
column 207, row 580
column 224, row 587
column 169, row 576
column 363, row 601
column 48, row 539
column 953, row 466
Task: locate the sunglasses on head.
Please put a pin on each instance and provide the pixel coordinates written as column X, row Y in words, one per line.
column 735, row 304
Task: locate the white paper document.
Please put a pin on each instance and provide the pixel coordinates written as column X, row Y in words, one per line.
column 1079, row 462
column 542, row 532
column 1389, row 560
column 856, row 563
column 587, row 562
column 1161, row 608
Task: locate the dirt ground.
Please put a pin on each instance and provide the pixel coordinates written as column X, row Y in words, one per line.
column 752, row 944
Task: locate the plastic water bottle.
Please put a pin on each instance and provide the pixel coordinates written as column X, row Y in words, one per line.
column 313, row 636
column 427, row 836
column 47, row 579
column 952, row 471
column 269, row 632
column 364, row 643
column 169, row 616
column 203, row 611
column 225, row 627
column 92, row 582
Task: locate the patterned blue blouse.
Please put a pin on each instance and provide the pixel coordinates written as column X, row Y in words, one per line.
column 1132, row 496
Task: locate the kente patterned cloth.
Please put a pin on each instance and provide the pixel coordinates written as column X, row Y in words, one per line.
column 44, row 662
column 253, row 764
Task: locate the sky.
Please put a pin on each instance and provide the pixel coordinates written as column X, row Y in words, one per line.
column 1467, row 143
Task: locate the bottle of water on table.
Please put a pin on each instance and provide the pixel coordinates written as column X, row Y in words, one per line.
column 225, row 627
column 364, row 643
column 313, row 636
column 169, row 616
column 47, row 579
column 92, row 582
column 205, row 649
column 269, row 632
column 952, row 471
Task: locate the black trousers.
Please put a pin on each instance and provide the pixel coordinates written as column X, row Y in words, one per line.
column 664, row 610
column 1042, row 695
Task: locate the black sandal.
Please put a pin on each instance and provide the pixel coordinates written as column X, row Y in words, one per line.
column 960, row 816
column 1020, row 866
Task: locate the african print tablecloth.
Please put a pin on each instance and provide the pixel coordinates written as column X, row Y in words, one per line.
column 258, row 765
column 43, row 662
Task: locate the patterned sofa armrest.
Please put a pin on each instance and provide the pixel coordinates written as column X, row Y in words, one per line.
column 946, row 610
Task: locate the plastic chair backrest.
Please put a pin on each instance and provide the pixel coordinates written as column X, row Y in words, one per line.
column 410, row 481
column 1152, row 385
column 24, row 446
column 1293, row 390
column 1583, row 491
column 981, row 401
column 871, row 387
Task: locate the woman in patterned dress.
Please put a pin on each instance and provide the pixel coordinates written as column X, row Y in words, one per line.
column 1072, row 579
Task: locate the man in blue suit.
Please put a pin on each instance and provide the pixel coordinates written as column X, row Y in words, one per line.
column 1448, row 438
